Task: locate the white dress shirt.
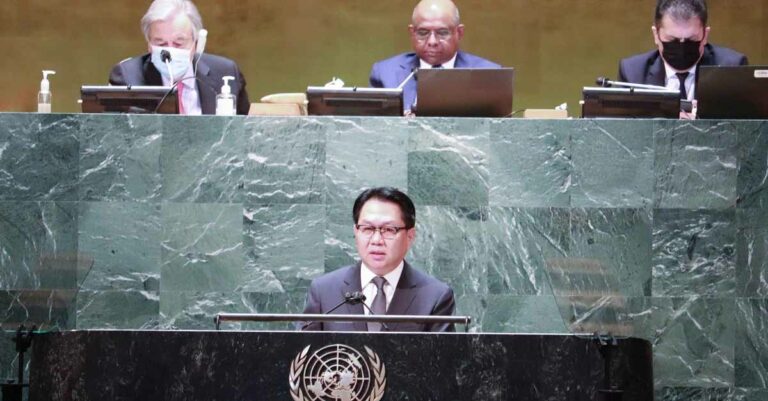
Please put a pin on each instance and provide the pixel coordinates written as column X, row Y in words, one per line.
column 447, row 65
column 369, row 288
column 673, row 83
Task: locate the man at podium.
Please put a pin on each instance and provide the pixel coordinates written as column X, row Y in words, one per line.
column 436, row 31
column 385, row 228
column 172, row 30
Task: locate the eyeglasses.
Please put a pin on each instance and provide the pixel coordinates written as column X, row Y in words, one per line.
column 442, row 34
column 386, row 232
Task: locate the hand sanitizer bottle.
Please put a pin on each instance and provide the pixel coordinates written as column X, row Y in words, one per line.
column 225, row 101
column 44, row 96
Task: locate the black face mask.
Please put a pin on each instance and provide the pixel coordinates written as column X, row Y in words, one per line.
column 681, row 55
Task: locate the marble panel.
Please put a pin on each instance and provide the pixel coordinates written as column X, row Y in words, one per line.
column 610, row 254
column 696, row 164
column 259, row 302
column 118, row 309
column 694, row 253
column 523, row 314
column 693, row 342
column 120, row 158
column 448, row 162
column 38, row 245
column 282, row 246
column 752, row 342
column 612, row 315
column 119, row 246
column 363, row 153
column 612, row 163
column 451, row 245
column 340, row 249
column 196, row 310
column 695, row 393
column 203, row 159
column 285, row 159
column 530, row 163
column 202, row 248
column 39, row 157
column 711, row 394
column 752, row 180
column 9, row 361
column 752, row 252
column 46, row 309
column 521, row 243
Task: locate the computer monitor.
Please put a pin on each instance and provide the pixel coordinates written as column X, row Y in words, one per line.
column 464, row 92
column 735, row 92
column 328, row 101
column 129, row 99
column 629, row 103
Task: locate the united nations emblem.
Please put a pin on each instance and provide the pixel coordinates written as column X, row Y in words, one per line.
column 337, row 372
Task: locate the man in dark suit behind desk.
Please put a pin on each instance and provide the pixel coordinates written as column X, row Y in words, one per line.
column 173, row 26
column 385, row 220
column 681, row 35
column 435, row 31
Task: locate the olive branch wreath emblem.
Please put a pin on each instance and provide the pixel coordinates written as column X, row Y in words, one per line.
column 297, row 368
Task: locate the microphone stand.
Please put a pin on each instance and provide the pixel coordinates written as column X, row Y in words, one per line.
column 15, row 391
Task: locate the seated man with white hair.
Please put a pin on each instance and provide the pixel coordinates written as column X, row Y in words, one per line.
column 174, row 26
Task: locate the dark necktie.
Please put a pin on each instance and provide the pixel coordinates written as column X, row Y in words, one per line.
column 681, row 76
column 379, row 304
column 437, row 66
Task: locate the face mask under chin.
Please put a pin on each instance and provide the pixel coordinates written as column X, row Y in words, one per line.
column 681, row 55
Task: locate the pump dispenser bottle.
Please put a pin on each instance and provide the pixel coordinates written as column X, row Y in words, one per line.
column 225, row 101
column 44, row 96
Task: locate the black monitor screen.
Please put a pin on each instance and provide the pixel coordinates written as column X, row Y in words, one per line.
column 630, row 103
column 129, row 99
column 354, row 101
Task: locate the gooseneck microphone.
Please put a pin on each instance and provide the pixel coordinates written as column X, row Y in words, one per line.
column 408, row 78
column 606, row 83
column 165, row 56
column 352, row 298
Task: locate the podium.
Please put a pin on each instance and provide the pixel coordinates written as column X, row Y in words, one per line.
column 281, row 365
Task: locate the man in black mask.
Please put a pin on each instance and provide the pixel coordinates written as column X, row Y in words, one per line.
column 680, row 33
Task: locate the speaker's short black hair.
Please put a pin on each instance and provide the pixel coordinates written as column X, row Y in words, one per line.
column 388, row 194
column 681, row 10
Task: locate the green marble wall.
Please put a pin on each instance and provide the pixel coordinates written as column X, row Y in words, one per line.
column 650, row 228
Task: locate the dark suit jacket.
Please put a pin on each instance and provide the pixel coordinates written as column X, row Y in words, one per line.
column 140, row 71
column 417, row 294
column 648, row 68
column 391, row 72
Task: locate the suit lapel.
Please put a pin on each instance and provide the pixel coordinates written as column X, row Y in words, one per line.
column 151, row 75
column 408, row 65
column 206, row 88
column 656, row 73
column 352, row 284
column 405, row 293
column 461, row 61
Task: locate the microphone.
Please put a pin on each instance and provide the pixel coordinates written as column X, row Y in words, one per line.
column 198, row 80
column 685, row 105
column 165, row 56
column 606, row 83
column 408, row 78
column 352, row 298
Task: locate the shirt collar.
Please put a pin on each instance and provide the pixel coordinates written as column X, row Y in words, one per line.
column 393, row 277
column 447, row 65
column 672, row 73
